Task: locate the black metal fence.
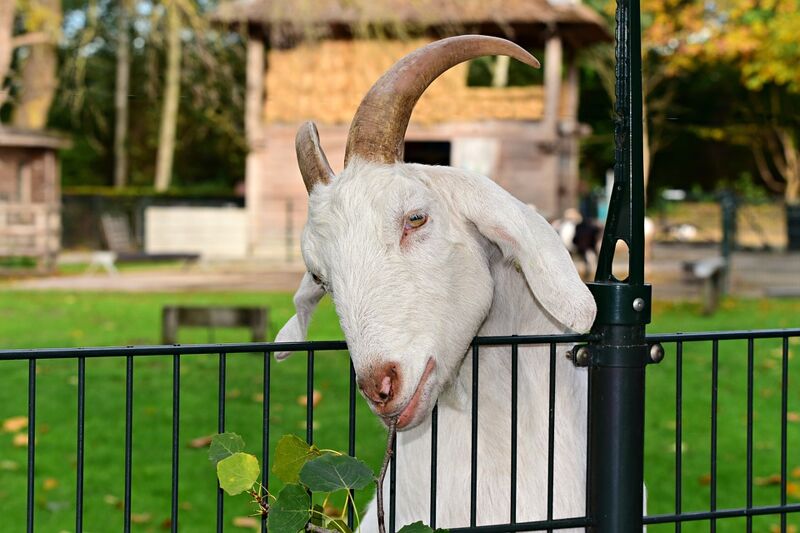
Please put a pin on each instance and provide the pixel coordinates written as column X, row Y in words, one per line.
column 676, row 345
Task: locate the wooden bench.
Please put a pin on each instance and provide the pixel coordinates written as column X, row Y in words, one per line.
column 173, row 317
column 710, row 273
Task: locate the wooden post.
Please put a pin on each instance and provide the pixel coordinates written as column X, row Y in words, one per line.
column 552, row 81
column 570, row 178
column 254, row 130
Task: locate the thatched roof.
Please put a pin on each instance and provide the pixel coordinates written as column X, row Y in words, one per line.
column 524, row 21
column 349, row 68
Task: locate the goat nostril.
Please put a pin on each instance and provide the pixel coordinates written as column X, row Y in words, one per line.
column 385, row 389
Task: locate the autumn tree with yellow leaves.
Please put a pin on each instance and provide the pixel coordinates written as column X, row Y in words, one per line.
column 759, row 39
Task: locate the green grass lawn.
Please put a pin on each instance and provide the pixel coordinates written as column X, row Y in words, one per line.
column 48, row 319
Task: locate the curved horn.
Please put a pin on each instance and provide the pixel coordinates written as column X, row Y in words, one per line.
column 310, row 158
column 379, row 126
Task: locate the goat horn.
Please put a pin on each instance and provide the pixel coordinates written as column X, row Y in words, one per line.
column 379, row 126
column 311, row 159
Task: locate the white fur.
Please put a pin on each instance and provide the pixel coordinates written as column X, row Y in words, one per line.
column 485, row 264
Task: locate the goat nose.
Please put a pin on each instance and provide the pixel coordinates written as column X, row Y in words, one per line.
column 381, row 385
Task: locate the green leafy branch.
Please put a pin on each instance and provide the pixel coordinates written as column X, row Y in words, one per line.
column 304, row 469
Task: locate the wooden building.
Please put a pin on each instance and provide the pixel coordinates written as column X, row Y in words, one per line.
column 315, row 59
column 30, row 196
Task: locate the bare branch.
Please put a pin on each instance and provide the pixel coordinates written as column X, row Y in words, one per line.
column 386, row 458
column 313, row 528
column 764, row 171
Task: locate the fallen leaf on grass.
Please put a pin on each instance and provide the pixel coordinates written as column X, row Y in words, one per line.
column 250, row 522
column 258, row 397
column 166, row 524
column 331, row 510
column 774, row 479
column 8, row 465
column 110, row 499
column 303, row 400
column 50, row 483
column 141, row 518
column 704, row 480
column 15, row 423
column 793, row 490
column 776, row 528
column 793, row 416
column 200, row 442
column 185, row 506
column 20, row 440
column 233, row 394
column 796, row 471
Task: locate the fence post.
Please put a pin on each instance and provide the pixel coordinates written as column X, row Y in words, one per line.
column 618, row 358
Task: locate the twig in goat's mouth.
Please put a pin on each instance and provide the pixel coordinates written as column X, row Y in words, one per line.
column 386, row 458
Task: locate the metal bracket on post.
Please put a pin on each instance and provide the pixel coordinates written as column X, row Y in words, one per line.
column 617, row 359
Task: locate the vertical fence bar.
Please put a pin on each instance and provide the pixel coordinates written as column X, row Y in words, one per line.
column 714, row 408
column 80, row 432
column 750, row 361
column 678, row 431
column 434, row 459
column 310, row 398
column 176, row 424
column 221, row 429
column 551, row 432
column 31, row 442
column 351, row 441
column 393, row 487
column 128, row 441
column 265, row 428
column 784, row 413
column 473, row 469
column 514, row 438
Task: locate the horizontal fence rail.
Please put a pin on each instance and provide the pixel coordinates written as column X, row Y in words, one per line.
column 747, row 345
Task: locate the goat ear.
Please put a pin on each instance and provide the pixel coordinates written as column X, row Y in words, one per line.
column 306, row 299
column 527, row 239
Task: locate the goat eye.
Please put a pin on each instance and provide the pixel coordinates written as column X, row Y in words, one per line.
column 416, row 220
column 316, row 278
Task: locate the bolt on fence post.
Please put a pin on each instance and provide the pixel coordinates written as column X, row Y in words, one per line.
column 618, row 358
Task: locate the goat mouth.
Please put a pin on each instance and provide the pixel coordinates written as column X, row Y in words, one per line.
column 409, row 412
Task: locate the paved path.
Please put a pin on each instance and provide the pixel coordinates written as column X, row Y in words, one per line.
column 754, row 274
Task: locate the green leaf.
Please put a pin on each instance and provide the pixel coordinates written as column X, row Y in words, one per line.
column 224, row 445
column 338, row 525
column 419, row 527
column 318, row 515
column 290, row 511
column 335, row 472
column 290, row 456
column 238, row 473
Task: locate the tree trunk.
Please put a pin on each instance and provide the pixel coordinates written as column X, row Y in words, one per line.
column 169, row 111
column 646, row 155
column 121, row 90
column 6, row 49
column 39, row 69
column 500, row 72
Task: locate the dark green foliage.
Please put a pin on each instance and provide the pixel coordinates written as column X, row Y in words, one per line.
column 290, row 512
column 330, row 473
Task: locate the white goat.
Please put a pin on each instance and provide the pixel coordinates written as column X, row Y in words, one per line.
column 418, row 260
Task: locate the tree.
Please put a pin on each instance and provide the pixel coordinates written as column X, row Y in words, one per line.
column 38, row 71
column 121, row 90
column 169, row 110
column 6, row 48
column 759, row 40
